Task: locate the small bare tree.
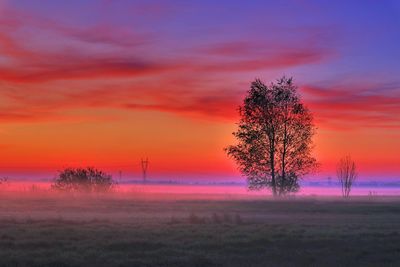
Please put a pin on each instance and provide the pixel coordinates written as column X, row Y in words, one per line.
column 346, row 174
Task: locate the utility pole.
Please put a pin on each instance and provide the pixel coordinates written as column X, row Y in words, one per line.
column 145, row 165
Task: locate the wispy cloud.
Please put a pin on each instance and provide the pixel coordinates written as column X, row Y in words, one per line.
column 47, row 67
column 367, row 105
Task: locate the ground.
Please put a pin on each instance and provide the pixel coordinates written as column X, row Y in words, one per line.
column 49, row 230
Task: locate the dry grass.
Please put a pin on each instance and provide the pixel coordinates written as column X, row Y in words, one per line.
column 49, row 230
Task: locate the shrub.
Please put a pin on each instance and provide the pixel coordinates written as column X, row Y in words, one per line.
column 83, row 180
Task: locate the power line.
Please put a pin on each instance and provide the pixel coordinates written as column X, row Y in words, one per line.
column 145, row 165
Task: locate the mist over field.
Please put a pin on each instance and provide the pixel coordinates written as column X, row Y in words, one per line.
column 223, row 189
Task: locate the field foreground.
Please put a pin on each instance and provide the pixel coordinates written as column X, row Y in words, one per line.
column 49, row 230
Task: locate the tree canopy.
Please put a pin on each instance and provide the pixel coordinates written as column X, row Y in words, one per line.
column 275, row 131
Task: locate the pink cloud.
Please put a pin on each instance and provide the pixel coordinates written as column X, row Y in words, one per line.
column 62, row 67
column 345, row 107
column 278, row 60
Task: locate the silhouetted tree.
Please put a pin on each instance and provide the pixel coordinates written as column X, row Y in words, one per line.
column 83, row 180
column 274, row 137
column 346, row 174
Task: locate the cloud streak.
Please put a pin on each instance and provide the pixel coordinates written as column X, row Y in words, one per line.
column 107, row 66
column 47, row 67
column 363, row 105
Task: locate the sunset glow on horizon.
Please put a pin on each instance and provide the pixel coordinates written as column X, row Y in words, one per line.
column 106, row 83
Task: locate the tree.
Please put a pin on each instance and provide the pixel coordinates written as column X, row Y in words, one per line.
column 346, row 174
column 274, row 137
column 83, row 180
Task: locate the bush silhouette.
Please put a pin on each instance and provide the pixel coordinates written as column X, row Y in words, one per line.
column 83, row 180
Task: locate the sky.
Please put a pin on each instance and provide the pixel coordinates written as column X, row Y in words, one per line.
column 106, row 83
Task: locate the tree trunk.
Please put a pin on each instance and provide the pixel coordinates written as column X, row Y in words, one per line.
column 272, row 162
column 283, row 160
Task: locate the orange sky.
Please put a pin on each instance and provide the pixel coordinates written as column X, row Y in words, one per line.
column 174, row 144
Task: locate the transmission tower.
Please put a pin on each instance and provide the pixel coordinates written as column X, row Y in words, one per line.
column 145, row 165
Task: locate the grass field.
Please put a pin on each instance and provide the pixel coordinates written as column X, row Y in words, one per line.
column 37, row 230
